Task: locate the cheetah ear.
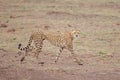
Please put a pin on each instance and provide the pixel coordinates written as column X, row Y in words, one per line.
column 73, row 31
column 74, row 28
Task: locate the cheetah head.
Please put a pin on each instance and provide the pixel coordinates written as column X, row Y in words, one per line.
column 75, row 33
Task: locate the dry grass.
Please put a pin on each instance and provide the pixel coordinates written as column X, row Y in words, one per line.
column 98, row 20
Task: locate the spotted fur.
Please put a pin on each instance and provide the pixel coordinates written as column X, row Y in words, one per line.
column 37, row 38
column 63, row 41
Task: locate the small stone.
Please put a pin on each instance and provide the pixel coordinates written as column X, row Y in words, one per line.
column 3, row 26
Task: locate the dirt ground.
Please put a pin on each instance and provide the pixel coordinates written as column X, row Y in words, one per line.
column 98, row 45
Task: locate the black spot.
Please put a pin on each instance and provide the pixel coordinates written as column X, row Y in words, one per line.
column 19, row 45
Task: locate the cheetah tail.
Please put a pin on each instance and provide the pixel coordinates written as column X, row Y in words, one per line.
column 27, row 47
column 19, row 47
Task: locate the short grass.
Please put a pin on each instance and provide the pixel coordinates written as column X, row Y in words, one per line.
column 98, row 20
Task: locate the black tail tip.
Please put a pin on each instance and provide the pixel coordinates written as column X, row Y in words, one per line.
column 19, row 45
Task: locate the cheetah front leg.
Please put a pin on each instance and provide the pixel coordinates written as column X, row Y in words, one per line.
column 58, row 55
column 78, row 61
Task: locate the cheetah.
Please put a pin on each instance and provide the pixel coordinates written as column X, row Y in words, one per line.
column 62, row 40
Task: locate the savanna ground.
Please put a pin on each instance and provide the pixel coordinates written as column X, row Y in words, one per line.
column 98, row 45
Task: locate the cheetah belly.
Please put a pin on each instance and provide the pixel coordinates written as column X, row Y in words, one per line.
column 58, row 43
column 62, row 44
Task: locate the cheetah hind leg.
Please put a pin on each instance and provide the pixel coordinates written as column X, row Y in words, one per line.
column 26, row 53
column 23, row 58
column 38, row 49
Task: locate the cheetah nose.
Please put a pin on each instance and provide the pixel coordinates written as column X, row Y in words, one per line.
column 76, row 35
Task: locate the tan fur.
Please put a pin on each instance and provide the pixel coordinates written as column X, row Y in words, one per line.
column 37, row 38
column 63, row 41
